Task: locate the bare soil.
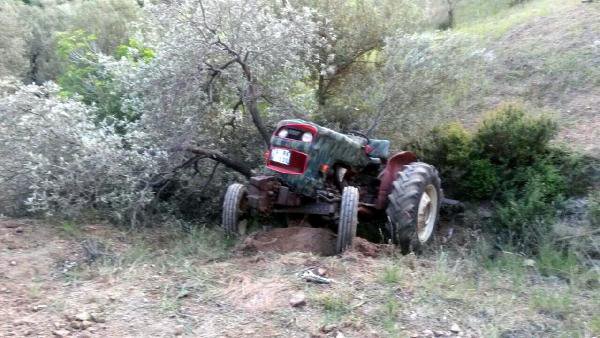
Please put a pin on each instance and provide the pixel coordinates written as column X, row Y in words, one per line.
column 162, row 283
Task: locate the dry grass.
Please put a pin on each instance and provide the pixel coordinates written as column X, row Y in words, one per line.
column 164, row 282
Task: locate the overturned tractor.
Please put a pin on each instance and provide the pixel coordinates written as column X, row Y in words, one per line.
column 340, row 178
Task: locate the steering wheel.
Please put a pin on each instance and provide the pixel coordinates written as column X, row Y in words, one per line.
column 358, row 133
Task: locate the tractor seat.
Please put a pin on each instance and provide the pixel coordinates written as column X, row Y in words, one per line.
column 381, row 148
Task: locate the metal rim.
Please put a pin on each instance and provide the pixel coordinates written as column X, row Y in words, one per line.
column 426, row 215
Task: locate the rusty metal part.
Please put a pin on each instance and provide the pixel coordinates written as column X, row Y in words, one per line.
column 316, row 208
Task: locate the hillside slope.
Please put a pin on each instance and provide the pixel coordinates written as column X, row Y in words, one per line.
column 553, row 64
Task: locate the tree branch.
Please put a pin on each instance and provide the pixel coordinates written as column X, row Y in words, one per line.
column 221, row 158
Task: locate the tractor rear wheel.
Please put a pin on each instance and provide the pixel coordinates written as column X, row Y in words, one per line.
column 414, row 206
column 348, row 219
column 235, row 210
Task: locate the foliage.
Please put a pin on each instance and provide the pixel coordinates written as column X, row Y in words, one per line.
column 30, row 32
column 185, row 80
column 57, row 160
column 13, row 41
column 88, row 73
column 510, row 161
column 425, row 77
column 594, row 208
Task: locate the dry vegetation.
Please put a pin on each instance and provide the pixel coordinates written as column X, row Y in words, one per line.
column 164, row 283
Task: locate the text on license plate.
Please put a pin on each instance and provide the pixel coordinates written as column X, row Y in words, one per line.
column 280, row 156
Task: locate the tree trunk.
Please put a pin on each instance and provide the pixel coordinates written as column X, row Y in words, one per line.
column 250, row 99
column 221, row 158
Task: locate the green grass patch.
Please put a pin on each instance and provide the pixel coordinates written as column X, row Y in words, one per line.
column 494, row 18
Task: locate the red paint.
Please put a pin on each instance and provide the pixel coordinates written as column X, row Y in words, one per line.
column 394, row 165
column 299, row 126
column 297, row 166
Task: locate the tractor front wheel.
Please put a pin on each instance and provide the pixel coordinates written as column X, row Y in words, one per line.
column 348, row 219
column 414, row 206
column 235, row 210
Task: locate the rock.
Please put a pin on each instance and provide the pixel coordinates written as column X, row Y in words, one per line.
column 427, row 333
column 19, row 230
column 85, row 324
column 37, row 308
column 298, row 299
column 61, row 333
column 178, row 330
column 97, row 318
column 340, row 335
column 328, row 328
column 76, row 325
column 13, row 263
column 455, row 328
column 322, row 272
column 82, row 316
column 439, row 333
column 58, row 325
column 529, row 263
column 22, row 321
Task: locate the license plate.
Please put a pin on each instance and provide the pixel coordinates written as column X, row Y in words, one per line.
column 280, row 156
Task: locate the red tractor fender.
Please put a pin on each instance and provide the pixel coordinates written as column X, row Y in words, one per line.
column 387, row 176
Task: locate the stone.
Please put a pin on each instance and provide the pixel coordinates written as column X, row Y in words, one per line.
column 37, row 308
column 76, row 325
column 322, row 272
column 13, row 263
column 81, row 316
column 340, row 335
column 61, row 333
column 85, row 324
column 427, row 333
column 298, row 299
column 97, row 318
column 439, row 333
column 529, row 263
column 179, row 329
column 455, row 328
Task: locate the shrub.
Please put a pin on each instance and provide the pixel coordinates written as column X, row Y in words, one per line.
column 508, row 160
column 451, row 149
column 509, row 138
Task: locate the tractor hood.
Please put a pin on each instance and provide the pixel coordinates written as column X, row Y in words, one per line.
column 302, row 152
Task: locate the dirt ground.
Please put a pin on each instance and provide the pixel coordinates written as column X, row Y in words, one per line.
column 154, row 283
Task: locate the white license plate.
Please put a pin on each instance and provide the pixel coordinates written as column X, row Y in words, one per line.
column 280, row 156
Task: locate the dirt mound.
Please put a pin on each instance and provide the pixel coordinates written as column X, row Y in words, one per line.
column 319, row 241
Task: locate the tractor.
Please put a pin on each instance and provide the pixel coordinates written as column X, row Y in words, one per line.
column 340, row 178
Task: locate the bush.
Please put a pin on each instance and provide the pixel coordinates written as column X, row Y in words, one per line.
column 509, row 161
column 510, row 139
column 451, row 149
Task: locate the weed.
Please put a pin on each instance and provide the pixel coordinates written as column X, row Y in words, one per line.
column 554, row 261
column 552, row 303
column 69, row 228
column 169, row 302
column 391, row 274
column 389, row 313
column 335, row 306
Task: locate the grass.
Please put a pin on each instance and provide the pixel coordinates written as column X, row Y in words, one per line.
column 555, row 304
column 391, row 274
column 476, row 17
column 334, row 306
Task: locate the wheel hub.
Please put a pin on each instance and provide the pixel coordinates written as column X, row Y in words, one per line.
column 428, row 205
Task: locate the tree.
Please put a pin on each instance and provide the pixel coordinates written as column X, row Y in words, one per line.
column 13, row 40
